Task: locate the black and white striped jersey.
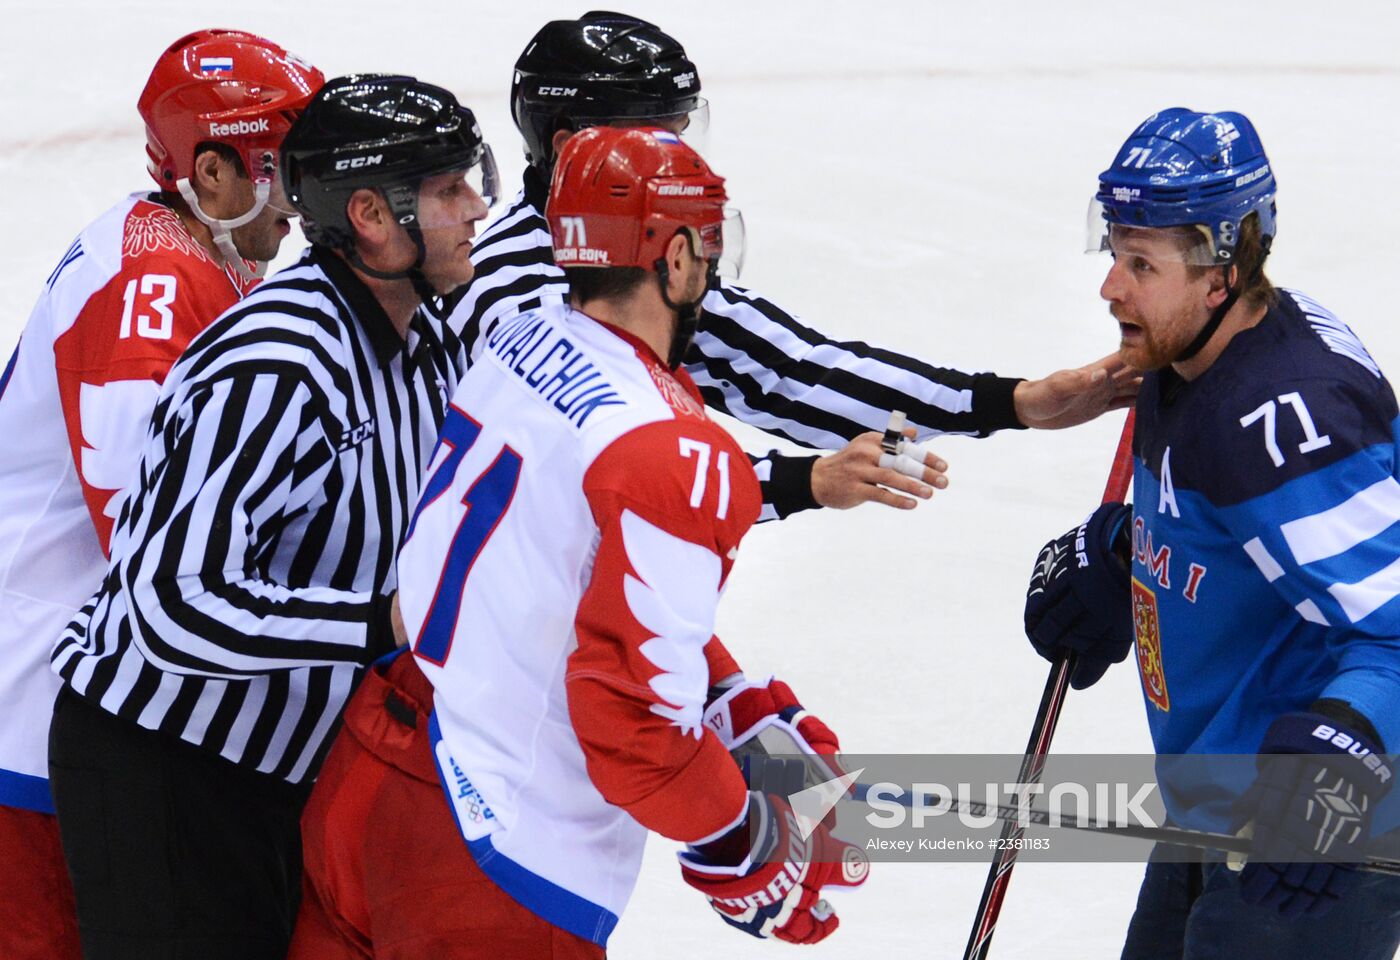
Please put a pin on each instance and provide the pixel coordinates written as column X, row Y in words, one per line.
column 251, row 564
column 751, row 359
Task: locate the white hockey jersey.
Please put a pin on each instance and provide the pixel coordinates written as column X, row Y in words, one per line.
column 75, row 401
column 559, row 582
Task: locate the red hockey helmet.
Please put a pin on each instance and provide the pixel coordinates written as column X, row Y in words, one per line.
column 224, row 86
column 619, row 195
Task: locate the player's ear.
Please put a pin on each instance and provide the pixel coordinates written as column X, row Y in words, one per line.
column 677, row 250
column 213, row 178
column 1218, row 289
column 676, row 256
column 561, row 137
column 369, row 216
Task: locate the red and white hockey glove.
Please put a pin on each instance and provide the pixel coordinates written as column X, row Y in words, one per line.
column 756, row 721
column 772, row 886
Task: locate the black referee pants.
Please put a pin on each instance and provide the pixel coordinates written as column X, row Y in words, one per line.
column 175, row 853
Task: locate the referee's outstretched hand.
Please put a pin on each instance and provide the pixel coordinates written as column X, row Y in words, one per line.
column 1067, row 398
column 853, row 476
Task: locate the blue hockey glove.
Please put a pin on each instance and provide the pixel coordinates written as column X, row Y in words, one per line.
column 1079, row 600
column 1318, row 785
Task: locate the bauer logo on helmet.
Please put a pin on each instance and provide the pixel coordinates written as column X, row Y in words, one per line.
column 1253, row 175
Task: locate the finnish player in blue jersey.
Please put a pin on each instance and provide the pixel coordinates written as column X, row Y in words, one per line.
column 1258, row 571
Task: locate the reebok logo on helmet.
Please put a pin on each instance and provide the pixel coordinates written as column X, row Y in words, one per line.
column 238, row 128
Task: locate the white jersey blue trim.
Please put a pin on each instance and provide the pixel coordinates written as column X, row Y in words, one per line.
column 549, row 901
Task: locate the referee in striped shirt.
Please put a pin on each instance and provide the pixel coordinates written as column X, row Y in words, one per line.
column 252, row 568
column 750, row 358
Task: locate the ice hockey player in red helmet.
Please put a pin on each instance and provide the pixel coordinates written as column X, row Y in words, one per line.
column 565, row 695
column 133, row 288
column 236, row 95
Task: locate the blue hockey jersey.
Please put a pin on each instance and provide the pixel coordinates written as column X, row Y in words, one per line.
column 1266, row 543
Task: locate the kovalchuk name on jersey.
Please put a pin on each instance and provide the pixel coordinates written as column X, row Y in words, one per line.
column 559, row 583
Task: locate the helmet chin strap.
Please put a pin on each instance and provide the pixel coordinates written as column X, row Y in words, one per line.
column 223, row 238
column 1217, row 317
column 687, row 312
column 413, row 274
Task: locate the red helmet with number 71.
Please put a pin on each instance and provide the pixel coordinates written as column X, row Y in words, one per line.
column 619, row 195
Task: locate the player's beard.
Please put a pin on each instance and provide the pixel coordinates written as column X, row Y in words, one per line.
column 1157, row 344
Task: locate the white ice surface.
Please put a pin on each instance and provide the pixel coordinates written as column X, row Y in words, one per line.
column 914, row 174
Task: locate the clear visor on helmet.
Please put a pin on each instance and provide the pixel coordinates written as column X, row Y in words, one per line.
column 695, row 126
column 1187, row 243
column 451, row 199
column 722, row 243
column 484, row 178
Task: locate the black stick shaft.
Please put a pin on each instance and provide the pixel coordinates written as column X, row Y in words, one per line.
column 1177, row 836
column 1051, row 701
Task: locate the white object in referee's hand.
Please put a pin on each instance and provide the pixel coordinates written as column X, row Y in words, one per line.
column 901, row 453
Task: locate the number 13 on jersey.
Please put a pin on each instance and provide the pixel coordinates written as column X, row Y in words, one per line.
column 486, row 501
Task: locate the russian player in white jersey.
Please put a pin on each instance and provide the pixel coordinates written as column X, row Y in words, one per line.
column 130, row 292
column 559, row 584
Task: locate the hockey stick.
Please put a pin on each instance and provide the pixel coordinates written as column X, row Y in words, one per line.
column 1046, row 718
column 1176, row 836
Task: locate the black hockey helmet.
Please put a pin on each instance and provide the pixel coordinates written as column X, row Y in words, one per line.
column 378, row 131
column 601, row 67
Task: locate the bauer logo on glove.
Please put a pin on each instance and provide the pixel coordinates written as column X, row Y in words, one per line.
column 775, row 887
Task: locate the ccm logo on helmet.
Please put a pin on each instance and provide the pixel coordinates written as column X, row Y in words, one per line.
column 237, row 128
column 355, row 163
column 558, row 91
column 1345, row 741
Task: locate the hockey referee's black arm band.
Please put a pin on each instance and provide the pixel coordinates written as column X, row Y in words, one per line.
column 788, row 488
column 380, row 639
column 994, row 403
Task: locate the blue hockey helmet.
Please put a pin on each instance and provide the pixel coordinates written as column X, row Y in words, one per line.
column 1183, row 168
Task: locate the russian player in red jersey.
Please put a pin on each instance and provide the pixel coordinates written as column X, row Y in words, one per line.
column 129, row 294
column 491, row 791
